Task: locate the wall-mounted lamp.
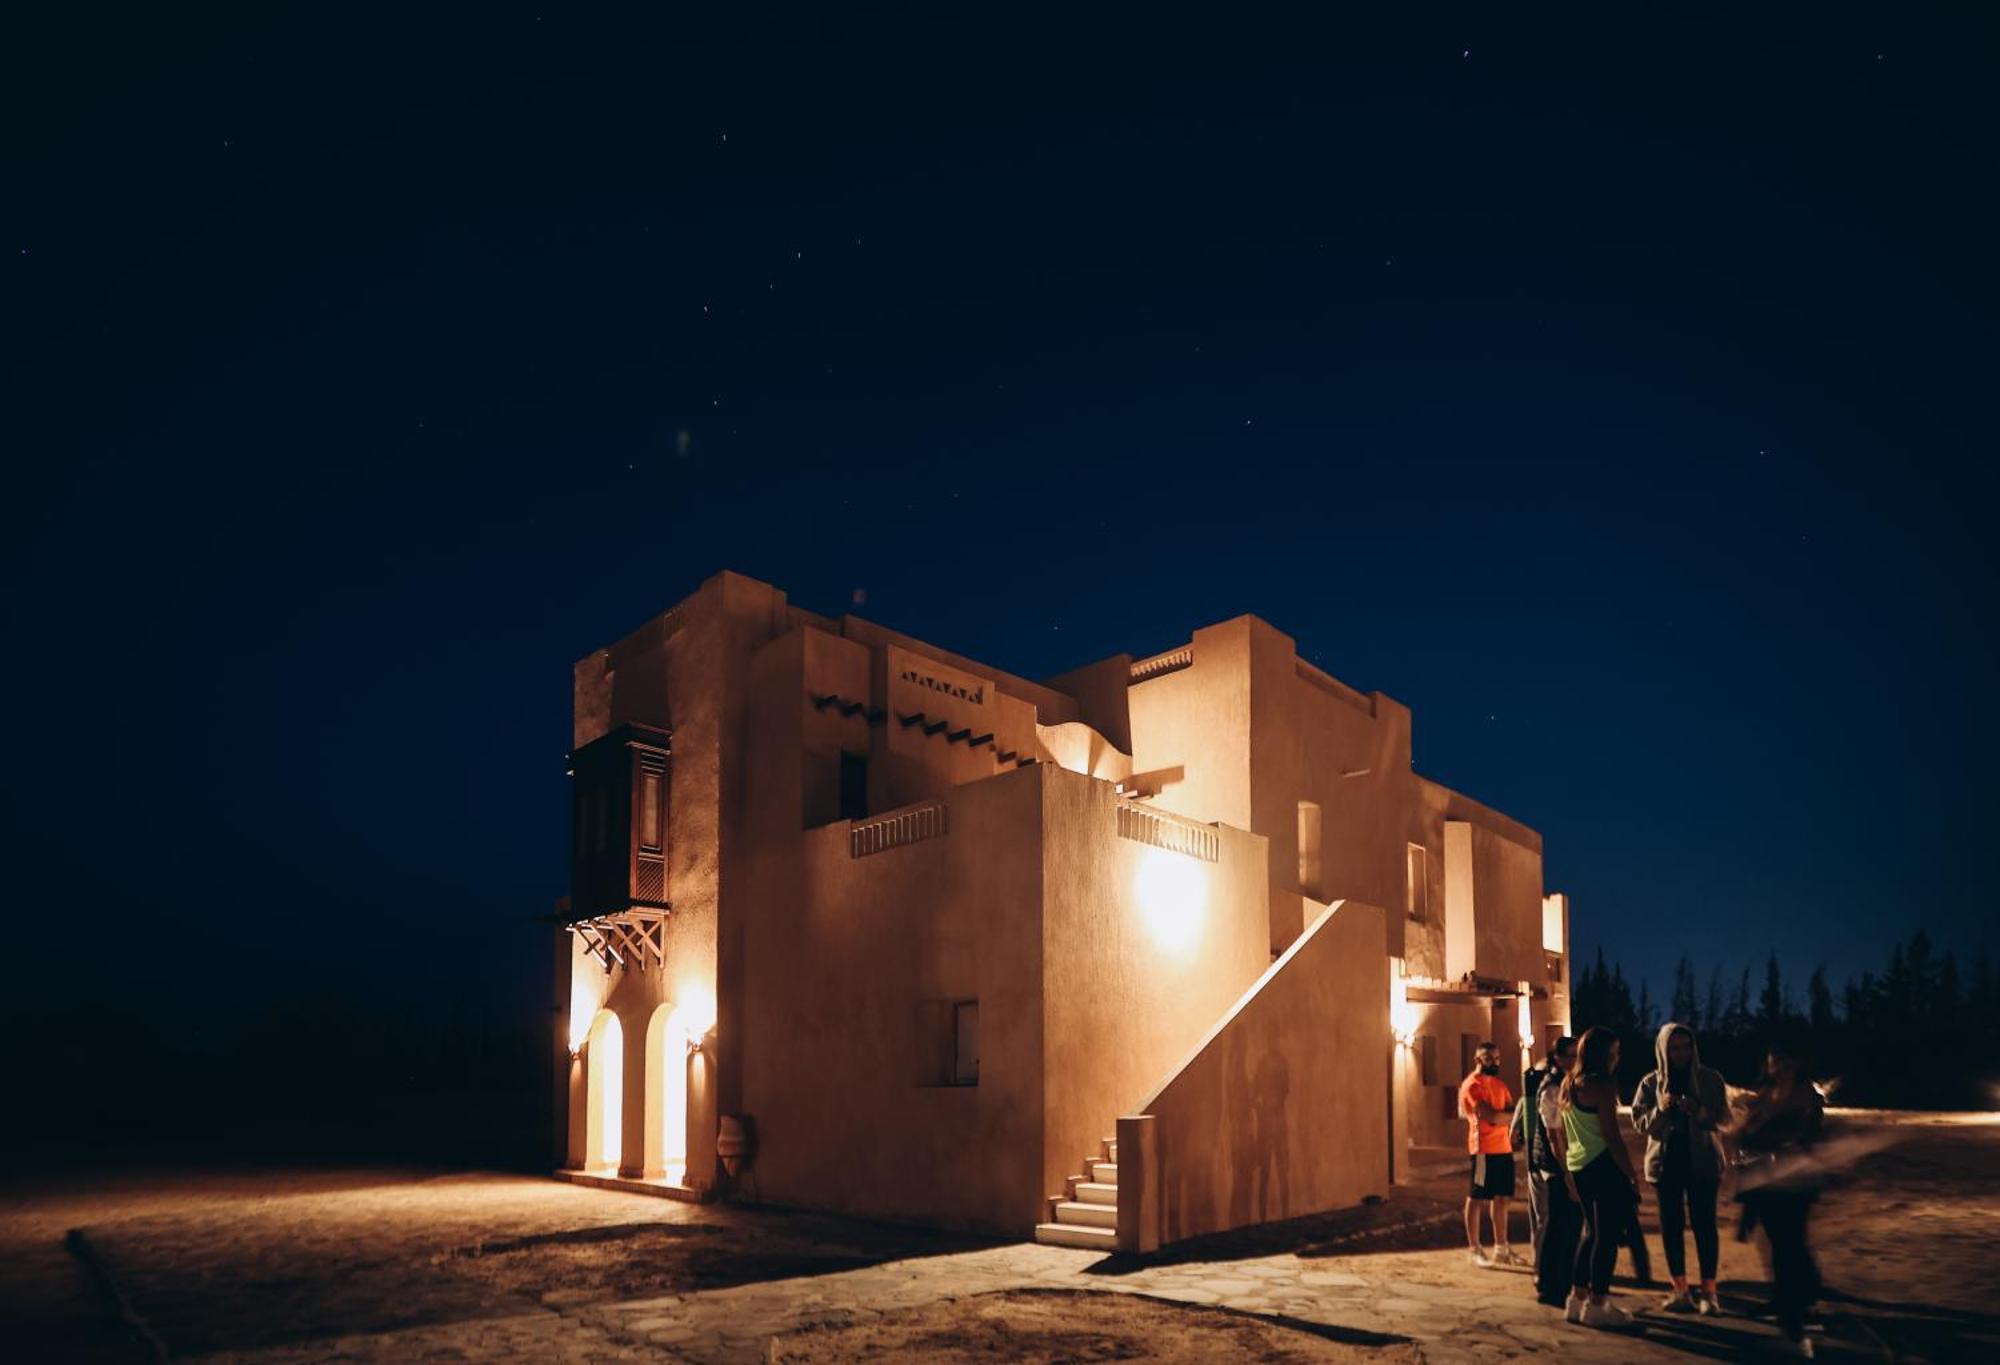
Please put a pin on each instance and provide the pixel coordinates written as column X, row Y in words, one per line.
column 1402, row 1018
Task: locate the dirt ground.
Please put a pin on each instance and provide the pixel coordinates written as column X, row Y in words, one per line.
column 405, row 1265
column 1042, row 1327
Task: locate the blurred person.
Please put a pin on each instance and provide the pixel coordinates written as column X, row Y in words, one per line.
column 1554, row 1219
column 1778, row 1178
column 1599, row 1177
column 1678, row 1108
column 1485, row 1103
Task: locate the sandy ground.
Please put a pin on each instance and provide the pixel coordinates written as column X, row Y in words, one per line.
column 416, row 1265
column 1041, row 1327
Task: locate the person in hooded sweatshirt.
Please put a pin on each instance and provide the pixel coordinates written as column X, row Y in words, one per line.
column 1677, row 1109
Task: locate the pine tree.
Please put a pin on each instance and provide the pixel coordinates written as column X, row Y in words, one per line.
column 1771, row 1004
column 1715, row 1011
column 1686, row 1008
column 1736, row 1021
column 1820, row 1003
column 1624, row 1017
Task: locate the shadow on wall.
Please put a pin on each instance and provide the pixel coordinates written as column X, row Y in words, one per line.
column 1282, row 1109
column 1261, row 1188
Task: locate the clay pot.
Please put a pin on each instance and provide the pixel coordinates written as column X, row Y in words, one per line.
column 736, row 1142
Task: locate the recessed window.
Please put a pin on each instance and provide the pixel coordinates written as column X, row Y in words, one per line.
column 1417, row 883
column 652, row 786
column 965, row 1038
column 853, row 786
column 1309, row 844
column 947, row 1043
column 1427, row 1053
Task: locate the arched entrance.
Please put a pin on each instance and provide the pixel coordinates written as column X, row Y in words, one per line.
column 604, row 1094
column 666, row 1095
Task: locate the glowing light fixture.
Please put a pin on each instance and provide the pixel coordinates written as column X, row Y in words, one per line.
column 696, row 1010
column 1402, row 1015
column 1172, row 891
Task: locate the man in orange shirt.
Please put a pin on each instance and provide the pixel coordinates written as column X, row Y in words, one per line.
column 1487, row 1107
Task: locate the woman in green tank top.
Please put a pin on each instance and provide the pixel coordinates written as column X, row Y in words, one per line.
column 1599, row 1175
column 1583, row 1137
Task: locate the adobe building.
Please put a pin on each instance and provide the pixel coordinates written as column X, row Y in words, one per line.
column 1155, row 948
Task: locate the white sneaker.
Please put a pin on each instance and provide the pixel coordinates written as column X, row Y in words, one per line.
column 1680, row 1301
column 1481, row 1259
column 1605, row 1315
column 1573, row 1310
column 1505, row 1256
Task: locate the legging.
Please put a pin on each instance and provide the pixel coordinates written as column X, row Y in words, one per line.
column 1684, row 1202
column 1607, row 1201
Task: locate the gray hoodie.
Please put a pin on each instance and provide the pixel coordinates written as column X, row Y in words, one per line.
column 1656, row 1118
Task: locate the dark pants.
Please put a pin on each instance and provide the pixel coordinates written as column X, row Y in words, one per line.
column 1794, row 1274
column 1556, row 1236
column 1685, row 1203
column 1607, row 1214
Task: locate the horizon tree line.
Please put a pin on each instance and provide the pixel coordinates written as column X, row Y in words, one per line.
column 1920, row 1034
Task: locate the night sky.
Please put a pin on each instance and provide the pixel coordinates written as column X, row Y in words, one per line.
column 1614, row 390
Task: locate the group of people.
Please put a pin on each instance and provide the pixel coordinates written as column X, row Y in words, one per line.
column 1584, row 1192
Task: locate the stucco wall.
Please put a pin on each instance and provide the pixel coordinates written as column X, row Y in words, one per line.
column 1144, row 949
column 685, row 671
column 1198, row 719
column 1283, row 1109
column 841, row 962
column 1507, row 880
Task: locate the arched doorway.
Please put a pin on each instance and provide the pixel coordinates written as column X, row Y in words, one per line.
column 604, row 1094
column 666, row 1095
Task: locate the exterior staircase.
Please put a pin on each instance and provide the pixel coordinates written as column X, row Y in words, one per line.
column 1085, row 1214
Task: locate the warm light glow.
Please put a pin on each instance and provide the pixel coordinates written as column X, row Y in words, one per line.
column 1527, row 1018
column 1172, row 891
column 604, row 1113
column 666, row 1095
column 586, row 994
column 1402, row 1015
column 1554, row 912
column 695, row 1004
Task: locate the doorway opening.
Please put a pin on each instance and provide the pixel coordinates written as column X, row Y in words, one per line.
column 604, row 1095
column 667, row 1058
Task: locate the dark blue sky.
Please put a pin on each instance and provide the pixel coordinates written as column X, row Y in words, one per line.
column 1614, row 390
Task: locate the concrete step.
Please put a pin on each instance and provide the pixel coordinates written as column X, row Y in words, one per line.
column 1088, row 1215
column 1096, row 1192
column 1076, row 1235
column 1104, row 1172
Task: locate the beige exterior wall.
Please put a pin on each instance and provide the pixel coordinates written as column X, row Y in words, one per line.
column 846, row 981
column 1283, row 1109
column 1143, row 949
column 824, row 973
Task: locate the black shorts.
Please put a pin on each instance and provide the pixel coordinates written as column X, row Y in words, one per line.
column 1493, row 1175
